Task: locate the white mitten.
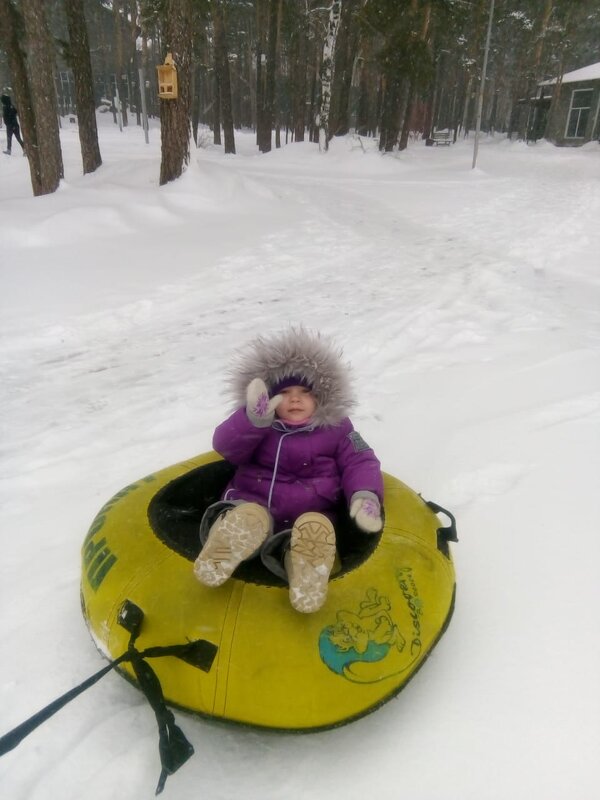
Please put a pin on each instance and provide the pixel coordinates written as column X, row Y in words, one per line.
column 365, row 510
column 260, row 410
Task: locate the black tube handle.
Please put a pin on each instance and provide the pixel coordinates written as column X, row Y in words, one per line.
column 447, row 534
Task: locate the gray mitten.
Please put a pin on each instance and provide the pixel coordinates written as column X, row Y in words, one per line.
column 365, row 510
column 260, row 410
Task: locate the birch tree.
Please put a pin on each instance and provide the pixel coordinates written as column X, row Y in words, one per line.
column 335, row 12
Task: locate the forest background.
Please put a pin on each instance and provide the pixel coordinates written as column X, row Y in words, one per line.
column 288, row 69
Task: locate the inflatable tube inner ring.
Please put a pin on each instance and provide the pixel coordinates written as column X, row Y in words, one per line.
column 176, row 510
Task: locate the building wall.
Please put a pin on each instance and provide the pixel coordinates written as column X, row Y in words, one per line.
column 575, row 114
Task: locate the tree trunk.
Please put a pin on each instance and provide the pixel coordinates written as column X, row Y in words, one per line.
column 213, row 88
column 269, row 91
column 412, row 94
column 79, row 53
column 552, row 122
column 535, row 68
column 327, row 73
column 195, row 92
column 247, row 78
column 224, row 80
column 346, row 47
column 40, row 69
column 362, row 113
column 147, row 67
column 120, row 60
column 175, row 114
column 134, row 73
column 391, row 108
column 261, row 37
column 9, row 40
column 408, row 113
column 539, row 47
column 216, row 100
column 299, row 68
column 237, row 91
column 277, row 105
column 467, row 107
column 430, row 109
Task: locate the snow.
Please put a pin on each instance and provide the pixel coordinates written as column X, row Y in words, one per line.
column 589, row 73
column 468, row 302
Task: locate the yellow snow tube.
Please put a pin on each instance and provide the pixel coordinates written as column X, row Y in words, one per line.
column 258, row 661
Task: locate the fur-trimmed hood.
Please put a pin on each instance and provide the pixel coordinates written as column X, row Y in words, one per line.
column 297, row 351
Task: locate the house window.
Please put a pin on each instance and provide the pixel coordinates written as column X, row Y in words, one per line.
column 581, row 105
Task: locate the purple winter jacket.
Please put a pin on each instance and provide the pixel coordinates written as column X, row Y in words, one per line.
column 290, row 470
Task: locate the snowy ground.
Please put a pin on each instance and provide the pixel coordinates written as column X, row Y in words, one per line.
column 468, row 303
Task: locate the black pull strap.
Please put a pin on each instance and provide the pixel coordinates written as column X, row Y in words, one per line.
column 174, row 757
column 11, row 739
column 174, row 749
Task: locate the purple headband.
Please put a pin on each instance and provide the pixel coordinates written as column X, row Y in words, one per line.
column 290, row 380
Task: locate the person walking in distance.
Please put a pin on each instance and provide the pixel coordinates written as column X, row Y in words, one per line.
column 9, row 115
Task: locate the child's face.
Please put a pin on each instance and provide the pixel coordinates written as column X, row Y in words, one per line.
column 298, row 404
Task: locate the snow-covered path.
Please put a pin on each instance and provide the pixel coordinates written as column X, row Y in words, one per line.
column 469, row 305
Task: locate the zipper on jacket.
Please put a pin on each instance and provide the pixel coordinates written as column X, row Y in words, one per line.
column 281, row 426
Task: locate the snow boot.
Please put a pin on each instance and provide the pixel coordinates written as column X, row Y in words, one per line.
column 234, row 537
column 309, row 560
column 6, row 152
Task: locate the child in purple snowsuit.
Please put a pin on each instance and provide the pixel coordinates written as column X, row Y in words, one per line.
column 297, row 456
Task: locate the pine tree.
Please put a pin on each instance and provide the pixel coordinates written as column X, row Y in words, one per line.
column 175, row 114
column 223, row 74
column 10, row 37
column 42, row 92
column 79, row 57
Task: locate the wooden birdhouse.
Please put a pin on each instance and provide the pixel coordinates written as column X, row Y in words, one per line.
column 167, row 79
